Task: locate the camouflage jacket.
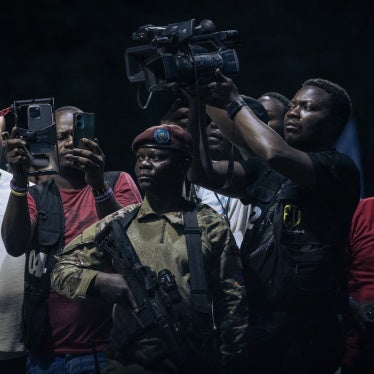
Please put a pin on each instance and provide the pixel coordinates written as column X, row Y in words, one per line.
column 160, row 243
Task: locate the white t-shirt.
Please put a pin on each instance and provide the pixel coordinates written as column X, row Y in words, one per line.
column 11, row 287
column 237, row 213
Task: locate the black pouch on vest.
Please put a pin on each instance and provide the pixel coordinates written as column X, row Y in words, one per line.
column 34, row 325
column 306, row 276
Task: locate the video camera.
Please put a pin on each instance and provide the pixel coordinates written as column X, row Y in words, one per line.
column 180, row 54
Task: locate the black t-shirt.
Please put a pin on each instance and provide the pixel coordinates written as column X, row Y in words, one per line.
column 301, row 228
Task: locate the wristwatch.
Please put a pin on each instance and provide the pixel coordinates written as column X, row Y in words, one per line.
column 234, row 107
column 102, row 190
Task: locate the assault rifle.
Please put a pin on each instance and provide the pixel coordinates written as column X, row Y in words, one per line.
column 154, row 293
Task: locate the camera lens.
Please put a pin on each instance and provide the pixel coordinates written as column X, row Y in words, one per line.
column 78, row 121
column 34, row 111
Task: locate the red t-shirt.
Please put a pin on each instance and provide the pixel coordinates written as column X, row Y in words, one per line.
column 360, row 256
column 78, row 325
column 361, row 252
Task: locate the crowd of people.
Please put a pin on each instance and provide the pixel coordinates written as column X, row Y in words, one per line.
column 245, row 249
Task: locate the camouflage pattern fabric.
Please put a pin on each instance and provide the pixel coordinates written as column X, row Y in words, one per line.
column 160, row 243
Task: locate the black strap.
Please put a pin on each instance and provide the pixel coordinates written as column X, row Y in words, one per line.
column 199, row 293
column 47, row 200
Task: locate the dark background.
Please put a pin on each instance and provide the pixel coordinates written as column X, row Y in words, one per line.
column 74, row 51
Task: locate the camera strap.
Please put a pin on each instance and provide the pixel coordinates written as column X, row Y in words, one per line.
column 205, row 159
column 199, row 293
column 230, row 169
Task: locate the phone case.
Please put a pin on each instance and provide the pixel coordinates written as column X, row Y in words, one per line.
column 84, row 127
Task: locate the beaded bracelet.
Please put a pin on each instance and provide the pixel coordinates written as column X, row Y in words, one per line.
column 104, row 196
column 19, row 189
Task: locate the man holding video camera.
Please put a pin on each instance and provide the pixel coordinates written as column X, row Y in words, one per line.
column 61, row 335
column 175, row 262
column 303, row 194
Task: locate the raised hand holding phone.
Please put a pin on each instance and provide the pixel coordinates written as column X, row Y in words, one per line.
column 84, row 127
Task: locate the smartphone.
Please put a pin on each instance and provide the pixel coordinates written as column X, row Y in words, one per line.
column 36, row 124
column 84, row 127
column 39, row 116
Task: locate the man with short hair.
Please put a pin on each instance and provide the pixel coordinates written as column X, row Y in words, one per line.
column 176, row 337
column 303, row 194
column 61, row 335
column 276, row 106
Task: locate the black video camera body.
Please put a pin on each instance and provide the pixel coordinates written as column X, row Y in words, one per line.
column 180, row 54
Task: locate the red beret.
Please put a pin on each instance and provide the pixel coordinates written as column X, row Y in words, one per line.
column 164, row 136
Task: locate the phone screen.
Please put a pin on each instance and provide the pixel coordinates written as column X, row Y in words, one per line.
column 84, row 127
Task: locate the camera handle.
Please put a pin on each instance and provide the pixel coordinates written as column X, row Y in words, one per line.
column 143, row 106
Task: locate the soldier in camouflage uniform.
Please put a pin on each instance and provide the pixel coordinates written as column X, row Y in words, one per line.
column 84, row 269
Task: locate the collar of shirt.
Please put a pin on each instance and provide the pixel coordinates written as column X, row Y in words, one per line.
column 146, row 211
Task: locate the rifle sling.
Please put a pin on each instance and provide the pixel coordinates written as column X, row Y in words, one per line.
column 192, row 232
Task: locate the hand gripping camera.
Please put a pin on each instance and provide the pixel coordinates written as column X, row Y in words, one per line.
column 180, row 54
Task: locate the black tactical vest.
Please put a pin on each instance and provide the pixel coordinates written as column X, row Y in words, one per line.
column 293, row 255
